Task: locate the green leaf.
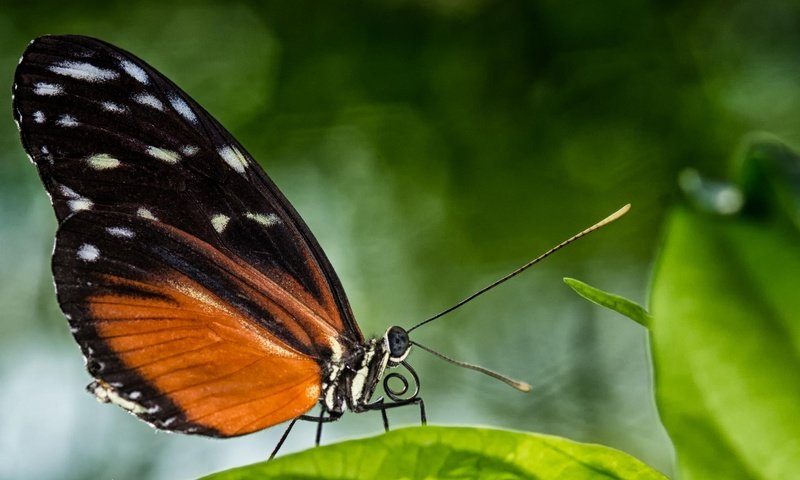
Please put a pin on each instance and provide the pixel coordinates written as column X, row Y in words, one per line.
column 726, row 341
column 622, row 305
column 451, row 452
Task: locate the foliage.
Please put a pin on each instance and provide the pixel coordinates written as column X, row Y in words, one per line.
column 451, row 452
column 725, row 330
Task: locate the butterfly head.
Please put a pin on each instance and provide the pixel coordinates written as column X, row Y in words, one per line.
column 397, row 343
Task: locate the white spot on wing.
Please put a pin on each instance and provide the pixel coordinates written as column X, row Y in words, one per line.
column 102, row 161
column 83, row 71
column 112, row 107
column 219, row 222
column 107, row 394
column 168, row 422
column 189, row 150
column 38, row 116
column 135, row 71
column 234, row 158
column 68, row 192
column 266, row 220
column 66, row 121
column 183, row 109
column 148, row 100
column 120, row 232
column 88, row 253
column 145, row 213
column 49, row 89
column 79, row 204
column 163, row 154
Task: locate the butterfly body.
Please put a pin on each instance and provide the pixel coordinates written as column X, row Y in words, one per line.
column 200, row 299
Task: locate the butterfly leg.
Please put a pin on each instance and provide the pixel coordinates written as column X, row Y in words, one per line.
column 283, row 439
column 332, row 417
column 385, row 420
column 383, row 407
column 319, row 427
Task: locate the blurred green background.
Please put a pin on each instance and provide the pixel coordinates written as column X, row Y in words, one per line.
column 432, row 146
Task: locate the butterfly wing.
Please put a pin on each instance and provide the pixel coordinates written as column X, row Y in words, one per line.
column 171, row 236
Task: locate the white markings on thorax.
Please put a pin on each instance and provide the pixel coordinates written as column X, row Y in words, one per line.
column 329, row 386
column 38, row 116
column 219, row 222
column 135, row 71
column 357, row 385
column 336, row 351
column 102, row 161
column 234, row 158
column 66, row 121
column 163, row 154
column 265, row 220
column 83, row 71
column 88, row 252
column 47, row 89
column 148, row 100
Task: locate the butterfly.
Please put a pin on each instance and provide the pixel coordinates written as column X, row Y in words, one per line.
column 200, row 299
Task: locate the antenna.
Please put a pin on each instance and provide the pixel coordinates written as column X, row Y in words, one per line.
column 521, row 386
column 602, row 223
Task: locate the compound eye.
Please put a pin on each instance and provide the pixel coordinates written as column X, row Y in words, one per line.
column 398, row 342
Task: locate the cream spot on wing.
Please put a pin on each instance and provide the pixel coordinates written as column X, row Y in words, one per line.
column 102, row 161
column 219, row 222
column 168, row 422
column 189, row 150
column 183, row 109
column 49, row 89
column 234, row 158
column 38, row 116
column 66, row 121
column 135, row 71
column 163, row 154
column 107, row 394
column 83, row 71
column 120, row 232
column 148, row 100
column 79, row 204
column 112, row 107
column 145, row 213
column 88, row 253
column 68, row 192
column 266, row 220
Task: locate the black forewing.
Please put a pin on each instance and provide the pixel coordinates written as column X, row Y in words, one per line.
column 108, row 133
